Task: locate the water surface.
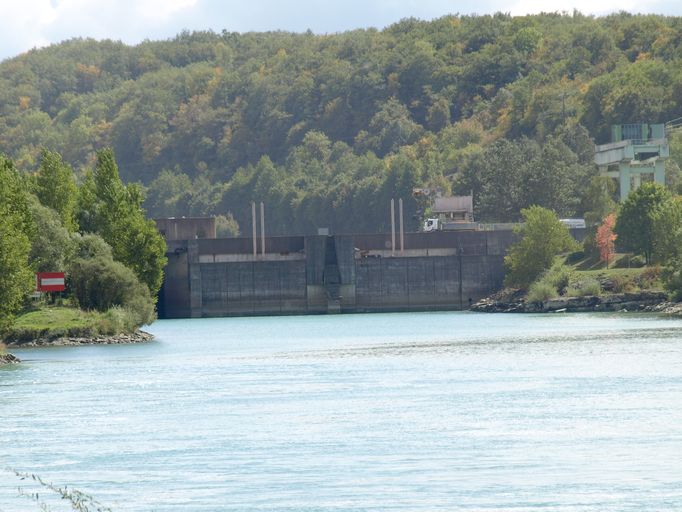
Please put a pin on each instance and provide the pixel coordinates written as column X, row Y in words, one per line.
column 423, row 411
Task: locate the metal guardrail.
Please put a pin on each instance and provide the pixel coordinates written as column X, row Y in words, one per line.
column 630, row 142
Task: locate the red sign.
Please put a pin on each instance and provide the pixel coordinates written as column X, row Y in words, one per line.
column 50, row 282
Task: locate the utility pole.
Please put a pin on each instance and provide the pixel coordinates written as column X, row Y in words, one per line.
column 253, row 224
column 402, row 232
column 262, row 228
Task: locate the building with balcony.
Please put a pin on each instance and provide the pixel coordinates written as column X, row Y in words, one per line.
column 636, row 153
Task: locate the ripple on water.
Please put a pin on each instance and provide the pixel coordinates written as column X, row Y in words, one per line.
column 446, row 411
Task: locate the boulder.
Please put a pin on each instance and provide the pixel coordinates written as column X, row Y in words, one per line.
column 8, row 359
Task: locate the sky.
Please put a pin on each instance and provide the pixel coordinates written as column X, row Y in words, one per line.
column 35, row 23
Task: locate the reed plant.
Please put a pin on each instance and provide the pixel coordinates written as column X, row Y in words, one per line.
column 46, row 494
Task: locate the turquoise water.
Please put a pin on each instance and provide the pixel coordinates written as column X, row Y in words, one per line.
column 434, row 411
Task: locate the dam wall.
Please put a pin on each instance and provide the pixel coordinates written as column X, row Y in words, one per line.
column 331, row 274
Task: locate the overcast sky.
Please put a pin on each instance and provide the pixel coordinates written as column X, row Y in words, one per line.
column 30, row 23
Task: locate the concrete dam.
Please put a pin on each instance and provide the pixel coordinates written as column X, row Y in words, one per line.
column 331, row 274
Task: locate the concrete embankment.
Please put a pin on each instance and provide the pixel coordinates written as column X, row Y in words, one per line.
column 637, row 301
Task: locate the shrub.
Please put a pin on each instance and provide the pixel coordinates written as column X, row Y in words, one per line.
column 620, row 284
column 649, row 275
column 113, row 321
column 585, row 287
column 672, row 279
column 559, row 276
column 541, row 291
column 100, row 283
column 140, row 310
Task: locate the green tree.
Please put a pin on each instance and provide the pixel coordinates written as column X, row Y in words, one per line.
column 56, row 187
column 114, row 211
column 438, row 115
column 16, row 228
column 597, row 204
column 390, row 128
column 169, row 195
column 51, row 244
column 668, row 231
column 542, row 237
column 226, row 226
column 646, row 221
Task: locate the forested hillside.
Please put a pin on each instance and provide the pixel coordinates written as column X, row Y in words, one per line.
column 325, row 129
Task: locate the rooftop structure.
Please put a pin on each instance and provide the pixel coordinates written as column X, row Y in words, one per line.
column 186, row 228
column 636, row 151
column 454, row 208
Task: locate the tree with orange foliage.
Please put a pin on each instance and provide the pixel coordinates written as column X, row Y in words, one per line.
column 605, row 238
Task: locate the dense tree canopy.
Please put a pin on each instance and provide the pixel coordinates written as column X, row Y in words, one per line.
column 326, row 128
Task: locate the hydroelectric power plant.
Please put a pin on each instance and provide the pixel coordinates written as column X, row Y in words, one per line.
column 208, row 277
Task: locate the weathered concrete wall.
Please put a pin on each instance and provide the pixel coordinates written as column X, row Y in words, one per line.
column 425, row 283
column 249, row 288
column 299, row 275
column 174, row 295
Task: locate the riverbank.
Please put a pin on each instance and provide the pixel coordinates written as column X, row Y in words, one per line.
column 65, row 341
column 515, row 301
column 70, row 326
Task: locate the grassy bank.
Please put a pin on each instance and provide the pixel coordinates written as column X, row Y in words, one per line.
column 52, row 322
column 581, row 276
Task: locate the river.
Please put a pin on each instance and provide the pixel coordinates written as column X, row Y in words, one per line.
column 415, row 411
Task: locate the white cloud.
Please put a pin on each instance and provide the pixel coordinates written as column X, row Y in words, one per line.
column 35, row 23
column 23, row 21
column 162, row 9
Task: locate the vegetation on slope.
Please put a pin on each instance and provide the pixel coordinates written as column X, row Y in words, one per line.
column 50, row 322
column 325, row 129
column 648, row 223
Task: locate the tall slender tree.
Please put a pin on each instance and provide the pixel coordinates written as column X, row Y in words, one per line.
column 16, row 227
column 56, row 188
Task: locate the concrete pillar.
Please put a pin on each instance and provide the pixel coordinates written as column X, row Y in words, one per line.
column 624, row 181
column 392, row 227
column 636, row 180
column 402, row 233
column 262, row 228
column 253, row 225
column 659, row 171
